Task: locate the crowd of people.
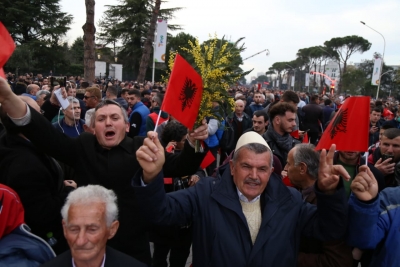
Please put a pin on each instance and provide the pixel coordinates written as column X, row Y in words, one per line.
column 102, row 178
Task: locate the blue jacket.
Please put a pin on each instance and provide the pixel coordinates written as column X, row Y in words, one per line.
column 21, row 248
column 213, row 140
column 221, row 235
column 70, row 131
column 140, row 108
column 376, row 223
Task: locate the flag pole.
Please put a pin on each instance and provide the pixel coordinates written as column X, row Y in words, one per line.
column 158, row 119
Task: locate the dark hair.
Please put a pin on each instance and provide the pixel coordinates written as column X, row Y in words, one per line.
column 391, row 133
column 134, row 92
column 314, row 98
column 123, row 91
column 279, row 109
column 327, row 102
column 262, row 112
column 290, row 96
column 387, row 126
column 173, row 131
column 112, row 90
column 376, row 109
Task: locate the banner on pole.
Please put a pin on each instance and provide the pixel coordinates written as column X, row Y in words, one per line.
column 307, row 79
column 292, row 82
column 161, row 41
column 376, row 72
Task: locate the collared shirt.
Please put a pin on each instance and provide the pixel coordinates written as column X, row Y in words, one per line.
column 244, row 199
column 102, row 264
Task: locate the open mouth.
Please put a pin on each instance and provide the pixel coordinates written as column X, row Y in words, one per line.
column 110, row 134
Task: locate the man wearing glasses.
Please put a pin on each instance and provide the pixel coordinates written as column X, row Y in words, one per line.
column 92, row 97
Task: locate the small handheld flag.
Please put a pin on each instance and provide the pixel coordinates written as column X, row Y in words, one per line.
column 349, row 127
column 183, row 96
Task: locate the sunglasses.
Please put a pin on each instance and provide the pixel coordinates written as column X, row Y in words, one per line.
column 87, row 97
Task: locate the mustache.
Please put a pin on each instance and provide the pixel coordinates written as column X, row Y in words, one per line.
column 252, row 180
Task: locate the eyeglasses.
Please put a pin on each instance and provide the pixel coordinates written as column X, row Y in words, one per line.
column 86, row 97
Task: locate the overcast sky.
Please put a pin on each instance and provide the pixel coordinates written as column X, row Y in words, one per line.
column 283, row 27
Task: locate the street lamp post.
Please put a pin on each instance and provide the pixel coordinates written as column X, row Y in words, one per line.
column 383, row 55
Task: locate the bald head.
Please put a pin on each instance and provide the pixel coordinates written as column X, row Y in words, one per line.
column 239, row 107
column 32, row 89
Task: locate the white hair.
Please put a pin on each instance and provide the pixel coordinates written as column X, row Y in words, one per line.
column 42, row 92
column 88, row 116
column 90, row 194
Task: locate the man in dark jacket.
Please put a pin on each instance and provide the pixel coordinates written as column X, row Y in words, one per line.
column 248, row 217
column 312, row 119
column 107, row 158
column 90, row 219
column 283, row 120
column 302, row 170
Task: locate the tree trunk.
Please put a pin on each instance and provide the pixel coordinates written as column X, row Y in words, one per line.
column 89, row 46
column 148, row 45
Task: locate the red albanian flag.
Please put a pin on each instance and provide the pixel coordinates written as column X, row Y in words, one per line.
column 183, row 96
column 305, row 139
column 7, row 47
column 295, row 134
column 350, row 126
column 208, row 159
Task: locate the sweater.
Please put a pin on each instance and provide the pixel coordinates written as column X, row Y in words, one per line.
column 252, row 212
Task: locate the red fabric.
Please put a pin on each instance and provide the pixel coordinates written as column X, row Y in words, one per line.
column 183, row 96
column 154, row 117
column 349, row 128
column 286, row 181
column 167, row 180
column 208, row 159
column 267, row 83
column 7, row 47
column 295, row 134
column 387, row 114
column 11, row 210
column 305, row 139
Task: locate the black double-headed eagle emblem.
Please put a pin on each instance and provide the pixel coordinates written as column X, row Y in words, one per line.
column 339, row 124
column 188, row 93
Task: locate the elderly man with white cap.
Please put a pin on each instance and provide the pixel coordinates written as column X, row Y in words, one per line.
column 248, row 217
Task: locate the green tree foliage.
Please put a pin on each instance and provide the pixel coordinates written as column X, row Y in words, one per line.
column 37, row 27
column 175, row 43
column 128, row 23
column 29, row 21
column 345, row 47
column 353, row 81
column 76, row 51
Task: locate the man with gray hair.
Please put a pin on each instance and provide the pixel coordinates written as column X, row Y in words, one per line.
column 302, row 170
column 88, row 120
column 40, row 96
column 90, row 218
column 247, row 217
column 71, row 124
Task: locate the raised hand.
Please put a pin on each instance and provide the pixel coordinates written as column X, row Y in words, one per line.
column 364, row 185
column 329, row 174
column 200, row 133
column 151, row 157
column 10, row 102
column 385, row 166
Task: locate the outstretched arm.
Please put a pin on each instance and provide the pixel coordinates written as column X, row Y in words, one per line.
column 10, row 102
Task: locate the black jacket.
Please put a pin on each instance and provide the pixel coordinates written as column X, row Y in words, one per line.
column 114, row 258
column 312, row 114
column 38, row 181
column 112, row 169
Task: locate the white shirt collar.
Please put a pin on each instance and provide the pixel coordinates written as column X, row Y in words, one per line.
column 102, row 264
column 244, row 199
